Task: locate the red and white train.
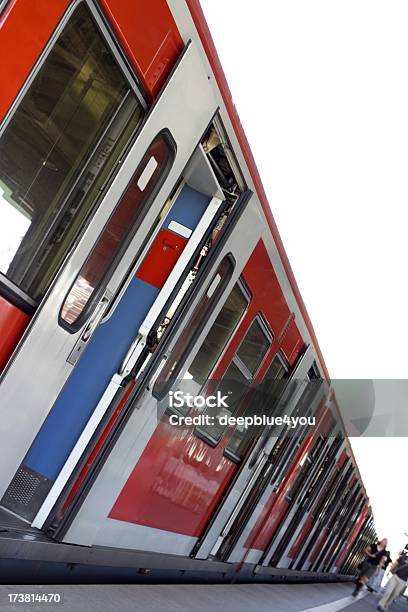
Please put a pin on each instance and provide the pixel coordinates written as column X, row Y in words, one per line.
column 138, row 255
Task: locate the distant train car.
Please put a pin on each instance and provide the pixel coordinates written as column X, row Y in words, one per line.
column 140, row 263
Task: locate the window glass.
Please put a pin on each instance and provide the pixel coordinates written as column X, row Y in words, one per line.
column 218, row 336
column 263, row 402
column 254, row 347
column 234, row 385
column 57, row 151
column 192, row 328
column 150, row 173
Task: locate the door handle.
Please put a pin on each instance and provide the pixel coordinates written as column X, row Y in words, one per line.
column 97, row 315
column 92, row 324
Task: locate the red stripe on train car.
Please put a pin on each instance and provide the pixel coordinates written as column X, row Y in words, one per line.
column 301, row 537
column 25, row 29
column 12, row 325
column 319, row 545
column 149, row 36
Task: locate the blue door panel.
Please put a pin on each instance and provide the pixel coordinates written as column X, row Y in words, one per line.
column 102, row 358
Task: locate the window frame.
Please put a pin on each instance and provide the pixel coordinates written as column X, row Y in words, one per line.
column 248, row 295
column 231, row 455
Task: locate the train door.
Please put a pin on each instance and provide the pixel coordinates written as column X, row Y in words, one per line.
column 177, row 474
column 144, row 210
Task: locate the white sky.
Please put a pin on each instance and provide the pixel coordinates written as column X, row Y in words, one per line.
column 321, row 88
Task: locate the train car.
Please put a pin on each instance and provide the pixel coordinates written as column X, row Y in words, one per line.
column 141, row 269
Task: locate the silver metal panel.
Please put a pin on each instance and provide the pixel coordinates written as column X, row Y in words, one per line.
column 39, row 368
column 118, row 534
column 89, row 524
column 240, row 551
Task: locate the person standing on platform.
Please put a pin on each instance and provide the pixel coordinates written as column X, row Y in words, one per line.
column 374, row 584
column 397, row 583
column 376, row 556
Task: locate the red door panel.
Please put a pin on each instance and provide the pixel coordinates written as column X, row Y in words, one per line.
column 161, row 258
column 149, row 36
column 12, row 325
column 176, row 484
column 25, row 29
column 308, row 524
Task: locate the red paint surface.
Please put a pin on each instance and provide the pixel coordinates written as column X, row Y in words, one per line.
column 146, row 31
column 267, row 298
column 25, row 29
column 149, row 37
column 302, row 535
column 179, row 479
column 176, row 484
column 161, row 258
column 12, row 325
column 319, row 545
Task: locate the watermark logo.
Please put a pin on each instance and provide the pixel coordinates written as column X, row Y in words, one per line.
column 178, row 399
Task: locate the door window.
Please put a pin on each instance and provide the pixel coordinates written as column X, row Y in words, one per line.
column 118, row 230
column 236, row 381
column 263, row 402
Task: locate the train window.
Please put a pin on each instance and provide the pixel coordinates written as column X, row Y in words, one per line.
column 59, row 149
column 219, row 334
column 264, row 402
column 233, row 385
column 236, row 380
column 118, row 230
column 193, row 328
column 254, row 346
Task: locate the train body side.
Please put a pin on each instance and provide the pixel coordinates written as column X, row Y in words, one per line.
column 157, row 266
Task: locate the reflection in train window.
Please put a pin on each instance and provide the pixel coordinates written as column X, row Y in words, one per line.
column 254, row 347
column 216, row 340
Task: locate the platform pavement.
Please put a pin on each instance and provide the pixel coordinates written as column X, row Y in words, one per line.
column 196, row 598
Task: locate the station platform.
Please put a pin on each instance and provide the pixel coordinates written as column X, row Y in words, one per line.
column 198, row 598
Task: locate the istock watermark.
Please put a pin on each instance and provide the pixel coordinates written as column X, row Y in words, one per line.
column 177, row 399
